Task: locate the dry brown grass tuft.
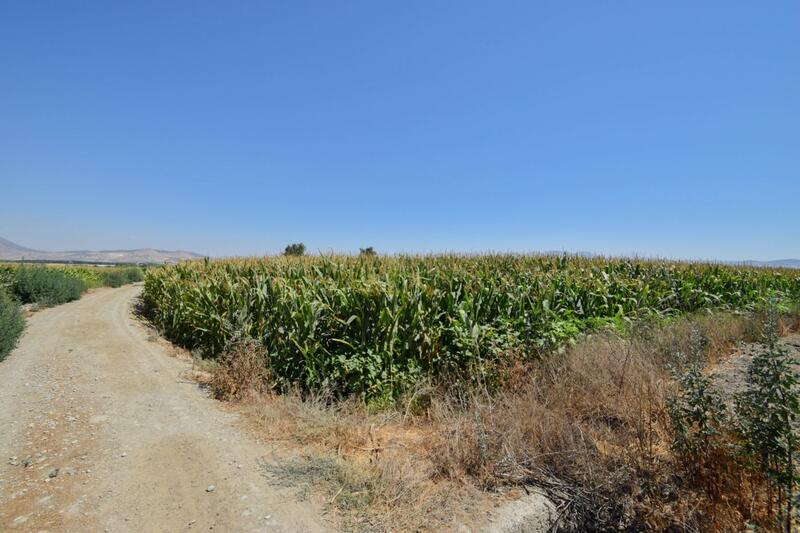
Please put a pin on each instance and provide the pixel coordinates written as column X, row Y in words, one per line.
column 585, row 422
column 373, row 468
column 241, row 372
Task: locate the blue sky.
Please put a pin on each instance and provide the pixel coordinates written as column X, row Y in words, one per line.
column 657, row 128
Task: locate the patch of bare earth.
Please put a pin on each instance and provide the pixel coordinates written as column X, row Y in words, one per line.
column 730, row 374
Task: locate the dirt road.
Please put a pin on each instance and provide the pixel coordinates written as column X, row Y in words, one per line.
column 101, row 431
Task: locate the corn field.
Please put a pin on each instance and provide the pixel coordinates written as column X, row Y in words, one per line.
column 376, row 325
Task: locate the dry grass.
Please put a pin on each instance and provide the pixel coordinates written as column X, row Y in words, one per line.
column 589, row 426
column 375, row 469
column 241, row 372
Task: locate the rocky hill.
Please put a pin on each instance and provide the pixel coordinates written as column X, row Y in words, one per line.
column 11, row 251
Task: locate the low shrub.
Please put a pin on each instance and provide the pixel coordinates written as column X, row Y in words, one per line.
column 114, row 278
column 119, row 276
column 45, row 286
column 133, row 274
column 11, row 323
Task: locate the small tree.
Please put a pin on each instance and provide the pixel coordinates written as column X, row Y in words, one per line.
column 368, row 251
column 697, row 413
column 696, row 409
column 296, row 249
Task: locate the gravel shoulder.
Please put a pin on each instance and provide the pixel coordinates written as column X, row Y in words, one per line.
column 101, row 430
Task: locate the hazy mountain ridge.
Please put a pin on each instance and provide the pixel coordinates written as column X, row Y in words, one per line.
column 15, row 252
column 778, row 263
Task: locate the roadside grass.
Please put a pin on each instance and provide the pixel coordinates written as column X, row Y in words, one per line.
column 589, row 426
column 372, row 469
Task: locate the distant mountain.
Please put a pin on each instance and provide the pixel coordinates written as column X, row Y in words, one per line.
column 10, row 247
column 778, row 263
column 11, row 251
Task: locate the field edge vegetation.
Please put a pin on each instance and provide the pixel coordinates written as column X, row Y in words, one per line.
column 593, row 402
column 598, row 427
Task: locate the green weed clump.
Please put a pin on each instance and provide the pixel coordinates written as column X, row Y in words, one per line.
column 45, row 286
column 11, row 323
column 117, row 277
column 133, row 274
column 374, row 326
column 114, row 278
column 94, row 276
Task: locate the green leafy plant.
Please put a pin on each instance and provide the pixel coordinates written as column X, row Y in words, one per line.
column 45, row 286
column 696, row 413
column 133, row 274
column 114, row 278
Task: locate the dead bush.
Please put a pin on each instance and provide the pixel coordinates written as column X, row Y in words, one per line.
column 242, row 371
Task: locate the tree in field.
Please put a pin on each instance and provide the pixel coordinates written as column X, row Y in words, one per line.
column 295, row 249
column 368, row 251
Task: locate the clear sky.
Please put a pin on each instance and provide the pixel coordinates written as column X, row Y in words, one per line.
column 657, row 128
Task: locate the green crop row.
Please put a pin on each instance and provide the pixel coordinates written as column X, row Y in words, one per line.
column 375, row 325
column 103, row 276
